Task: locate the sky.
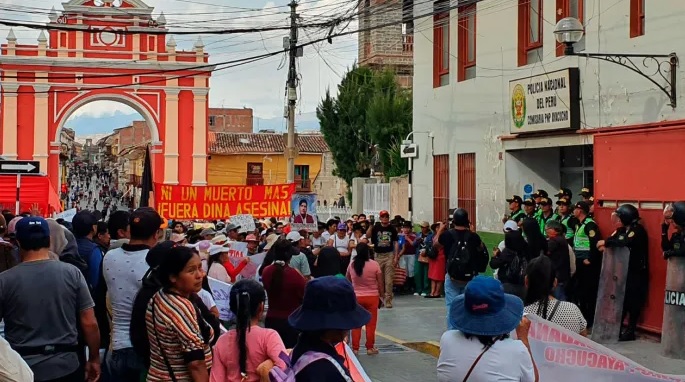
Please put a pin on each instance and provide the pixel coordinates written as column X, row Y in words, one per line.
column 259, row 85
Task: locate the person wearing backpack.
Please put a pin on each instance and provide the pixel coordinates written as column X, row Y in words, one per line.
column 465, row 252
column 329, row 311
column 511, row 264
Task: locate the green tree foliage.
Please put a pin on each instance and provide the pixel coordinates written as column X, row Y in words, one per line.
column 370, row 109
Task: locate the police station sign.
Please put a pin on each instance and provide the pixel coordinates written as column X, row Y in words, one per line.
column 545, row 102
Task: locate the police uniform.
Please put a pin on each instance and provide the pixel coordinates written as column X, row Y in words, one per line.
column 518, row 215
column 569, row 221
column 530, row 203
column 540, row 216
column 586, row 278
column 633, row 237
column 587, row 196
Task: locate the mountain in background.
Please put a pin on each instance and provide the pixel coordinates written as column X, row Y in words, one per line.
column 87, row 125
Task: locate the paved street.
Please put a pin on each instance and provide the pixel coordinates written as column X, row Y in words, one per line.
column 418, row 323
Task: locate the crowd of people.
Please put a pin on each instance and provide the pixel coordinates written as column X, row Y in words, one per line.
column 134, row 292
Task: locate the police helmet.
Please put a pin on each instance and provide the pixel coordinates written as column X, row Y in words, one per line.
column 628, row 214
column 460, row 218
column 679, row 213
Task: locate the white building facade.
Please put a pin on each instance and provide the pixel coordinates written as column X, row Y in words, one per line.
column 500, row 110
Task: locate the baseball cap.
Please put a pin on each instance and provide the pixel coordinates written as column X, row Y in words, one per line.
column 294, row 236
column 529, row 202
column 510, row 225
column 515, row 199
column 251, row 237
column 585, row 192
column 540, row 194
column 216, row 249
column 564, row 192
column 32, row 228
column 545, row 202
column 383, row 213
column 583, row 205
column 564, row 201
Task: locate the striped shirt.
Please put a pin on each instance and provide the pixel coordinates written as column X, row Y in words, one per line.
column 178, row 332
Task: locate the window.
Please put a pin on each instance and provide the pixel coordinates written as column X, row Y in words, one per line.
column 575, row 9
column 441, row 43
column 637, row 18
column 302, row 181
column 466, row 41
column 466, row 184
column 254, row 169
column 441, row 187
column 212, row 120
column 530, row 32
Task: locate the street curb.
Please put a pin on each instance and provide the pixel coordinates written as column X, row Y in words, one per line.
column 431, row 348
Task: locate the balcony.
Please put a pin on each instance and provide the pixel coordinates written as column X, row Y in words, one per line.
column 303, row 185
column 407, row 43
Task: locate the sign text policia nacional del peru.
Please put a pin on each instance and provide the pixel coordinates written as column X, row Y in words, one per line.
column 545, row 102
column 220, row 202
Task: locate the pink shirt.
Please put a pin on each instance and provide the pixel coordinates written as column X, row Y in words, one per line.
column 365, row 285
column 262, row 344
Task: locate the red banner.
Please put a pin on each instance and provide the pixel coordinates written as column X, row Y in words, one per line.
column 221, row 202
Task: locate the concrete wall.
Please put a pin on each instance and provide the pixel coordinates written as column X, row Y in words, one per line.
column 536, row 167
column 399, row 196
column 473, row 115
column 358, row 193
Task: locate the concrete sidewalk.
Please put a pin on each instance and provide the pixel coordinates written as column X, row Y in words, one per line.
column 408, row 339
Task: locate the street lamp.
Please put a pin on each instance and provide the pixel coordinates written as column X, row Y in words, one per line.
column 569, row 31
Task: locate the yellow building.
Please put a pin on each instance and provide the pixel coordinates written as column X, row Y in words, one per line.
column 258, row 158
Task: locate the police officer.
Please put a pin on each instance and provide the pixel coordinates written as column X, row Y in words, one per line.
column 538, row 196
column 545, row 213
column 566, row 218
column 632, row 235
column 564, row 193
column 529, row 208
column 586, row 194
column 675, row 245
column 517, row 213
column 588, row 262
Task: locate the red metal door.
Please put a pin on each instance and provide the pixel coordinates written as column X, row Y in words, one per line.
column 634, row 167
column 441, row 186
column 466, row 184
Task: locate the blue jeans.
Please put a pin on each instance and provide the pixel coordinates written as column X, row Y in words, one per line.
column 122, row 365
column 452, row 290
column 560, row 292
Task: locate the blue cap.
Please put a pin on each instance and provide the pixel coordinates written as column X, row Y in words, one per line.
column 32, row 228
column 485, row 310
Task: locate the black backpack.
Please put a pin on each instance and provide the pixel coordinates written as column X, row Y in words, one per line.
column 516, row 271
column 427, row 245
column 460, row 264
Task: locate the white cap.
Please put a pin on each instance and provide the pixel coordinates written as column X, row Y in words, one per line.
column 216, row 249
column 219, row 239
column 294, row 236
column 510, row 225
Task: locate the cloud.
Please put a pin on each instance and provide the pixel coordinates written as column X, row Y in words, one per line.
column 259, row 85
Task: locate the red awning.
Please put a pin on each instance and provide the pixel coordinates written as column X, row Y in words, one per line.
column 35, row 192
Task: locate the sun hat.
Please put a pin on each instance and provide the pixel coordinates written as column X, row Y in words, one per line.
column 484, row 309
column 329, row 304
column 251, row 238
column 270, row 240
column 216, row 249
column 425, row 224
column 219, row 239
column 230, row 227
column 207, row 231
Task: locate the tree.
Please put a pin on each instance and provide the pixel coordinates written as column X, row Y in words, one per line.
column 370, row 109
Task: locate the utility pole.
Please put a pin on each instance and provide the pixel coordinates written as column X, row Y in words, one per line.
column 292, row 92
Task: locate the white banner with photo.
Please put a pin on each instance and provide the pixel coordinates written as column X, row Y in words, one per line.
column 564, row 356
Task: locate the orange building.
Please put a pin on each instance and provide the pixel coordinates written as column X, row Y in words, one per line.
column 86, row 57
column 225, row 120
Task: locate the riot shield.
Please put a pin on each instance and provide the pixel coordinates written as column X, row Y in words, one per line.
column 610, row 296
column 673, row 327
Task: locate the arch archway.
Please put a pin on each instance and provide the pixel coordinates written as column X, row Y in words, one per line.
column 44, row 84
